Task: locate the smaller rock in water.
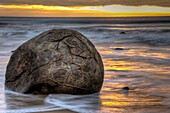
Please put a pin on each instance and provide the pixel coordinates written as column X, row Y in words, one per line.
column 122, row 32
column 125, row 88
column 118, row 49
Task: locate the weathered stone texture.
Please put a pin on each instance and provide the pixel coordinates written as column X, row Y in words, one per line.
column 56, row 61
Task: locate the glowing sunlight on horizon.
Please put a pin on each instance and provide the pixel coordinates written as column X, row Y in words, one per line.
column 83, row 11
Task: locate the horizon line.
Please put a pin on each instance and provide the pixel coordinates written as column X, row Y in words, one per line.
column 80, row 17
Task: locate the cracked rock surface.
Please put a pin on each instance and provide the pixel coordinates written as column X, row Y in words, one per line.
column 56, row 61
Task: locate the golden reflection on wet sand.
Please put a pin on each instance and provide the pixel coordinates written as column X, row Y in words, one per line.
column 112, row 97
column 122, row 69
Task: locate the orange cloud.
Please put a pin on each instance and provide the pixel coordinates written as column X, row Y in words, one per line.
column 84, row 11
column 164, row 3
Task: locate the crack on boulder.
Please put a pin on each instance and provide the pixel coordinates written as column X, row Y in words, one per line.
column 17, row 77
column 68, row 85
column 61, row 38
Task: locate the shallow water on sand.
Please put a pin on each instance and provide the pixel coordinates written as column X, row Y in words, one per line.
column 138, row 59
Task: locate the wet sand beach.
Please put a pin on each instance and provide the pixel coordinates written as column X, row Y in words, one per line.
column 138, row 59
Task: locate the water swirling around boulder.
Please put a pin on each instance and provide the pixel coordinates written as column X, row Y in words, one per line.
column 56, row 61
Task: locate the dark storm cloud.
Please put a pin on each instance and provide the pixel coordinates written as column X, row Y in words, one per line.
column 165, row 3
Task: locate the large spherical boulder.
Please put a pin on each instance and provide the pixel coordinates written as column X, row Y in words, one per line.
column 56, row 61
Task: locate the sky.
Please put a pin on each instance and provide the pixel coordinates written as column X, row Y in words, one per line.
column 84, row 8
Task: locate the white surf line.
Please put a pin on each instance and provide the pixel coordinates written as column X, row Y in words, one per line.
column 9, row 92
column 32, row 109
column 75, row 103
column 40, row 108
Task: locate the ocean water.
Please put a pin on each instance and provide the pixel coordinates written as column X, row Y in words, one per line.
column 135, row 52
